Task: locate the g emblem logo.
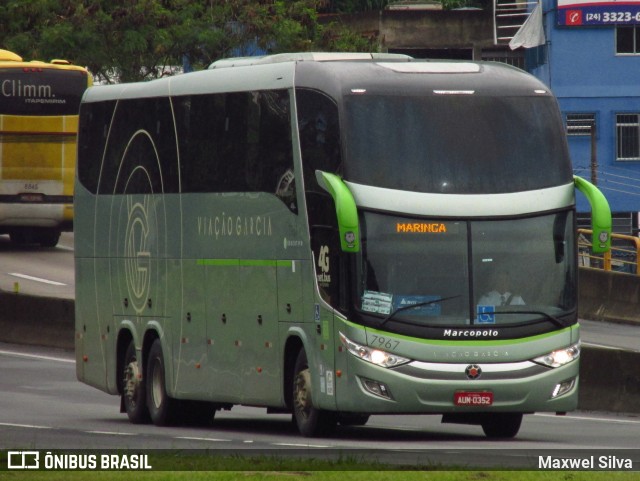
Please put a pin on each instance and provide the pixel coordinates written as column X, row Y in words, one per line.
column 137, row 255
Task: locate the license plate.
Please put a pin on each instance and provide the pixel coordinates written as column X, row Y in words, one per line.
column 31, row 197
column 473, row 398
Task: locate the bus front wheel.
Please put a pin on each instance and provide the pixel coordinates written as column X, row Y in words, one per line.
column 502, row 425
column 162, row 408
column 310, row 420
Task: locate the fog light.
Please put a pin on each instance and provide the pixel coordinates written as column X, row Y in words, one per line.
column 376, row 388
column 563, row 388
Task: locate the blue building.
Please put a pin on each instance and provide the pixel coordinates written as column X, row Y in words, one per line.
column 593, row 67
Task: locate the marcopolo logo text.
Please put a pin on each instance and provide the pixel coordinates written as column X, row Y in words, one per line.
column 470, row 333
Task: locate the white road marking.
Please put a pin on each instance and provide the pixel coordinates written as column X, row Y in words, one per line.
column 36, row 279
column 294, row 445
column 189, row 438
column 603, row 346
column 29, row 426
column 588, row 418
column 36, row 356
column 110, row 433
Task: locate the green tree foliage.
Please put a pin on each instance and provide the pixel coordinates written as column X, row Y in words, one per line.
column 354, row 6
column 129, row 40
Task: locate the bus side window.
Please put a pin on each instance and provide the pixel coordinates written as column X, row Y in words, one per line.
column 237, row 142
column 95, row 119
column 275, row 148
column 319, row 131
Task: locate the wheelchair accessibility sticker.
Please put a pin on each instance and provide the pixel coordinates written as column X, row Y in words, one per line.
column 486, row 315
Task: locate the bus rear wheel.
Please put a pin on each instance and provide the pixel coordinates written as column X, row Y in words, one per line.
column 134, row 400
column 310, row 420
column 162, row 408
column 502, row 425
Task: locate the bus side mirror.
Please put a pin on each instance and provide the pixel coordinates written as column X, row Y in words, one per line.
column 600, row 215
column 346, row 210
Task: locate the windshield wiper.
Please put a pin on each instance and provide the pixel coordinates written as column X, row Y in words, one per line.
column 412, row 306
column 555, row 320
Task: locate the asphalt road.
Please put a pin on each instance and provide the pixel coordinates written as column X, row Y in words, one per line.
column 39, row 271
column 43, row 406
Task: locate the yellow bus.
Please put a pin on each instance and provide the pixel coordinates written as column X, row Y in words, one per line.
column 39, row 105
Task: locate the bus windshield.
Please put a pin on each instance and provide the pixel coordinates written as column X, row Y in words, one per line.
column 451, row 145
column 466, row 272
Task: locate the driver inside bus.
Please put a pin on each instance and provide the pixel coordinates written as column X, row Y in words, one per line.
column 502, row 293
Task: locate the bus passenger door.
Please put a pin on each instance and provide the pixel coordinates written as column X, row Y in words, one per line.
column 327, row 255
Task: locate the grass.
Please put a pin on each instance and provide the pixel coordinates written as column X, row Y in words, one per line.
column 200, row 467
column 251, row 475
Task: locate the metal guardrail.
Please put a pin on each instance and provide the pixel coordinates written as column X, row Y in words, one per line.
column 623, row 256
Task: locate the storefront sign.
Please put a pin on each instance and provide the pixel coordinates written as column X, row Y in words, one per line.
column 589, row 13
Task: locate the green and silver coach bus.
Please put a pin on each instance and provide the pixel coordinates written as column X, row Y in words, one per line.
column 314, row 234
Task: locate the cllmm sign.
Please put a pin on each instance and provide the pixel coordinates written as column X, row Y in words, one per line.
column 588, row 13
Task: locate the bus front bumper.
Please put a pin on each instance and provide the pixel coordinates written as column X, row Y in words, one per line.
column 437, row 388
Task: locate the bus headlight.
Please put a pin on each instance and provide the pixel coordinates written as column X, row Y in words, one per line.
column 560, row 357
column 372, row 355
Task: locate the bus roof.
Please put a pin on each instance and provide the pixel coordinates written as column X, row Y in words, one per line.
column 306, row 56
column 9, row 59
column 336, row 73
column 7, row 56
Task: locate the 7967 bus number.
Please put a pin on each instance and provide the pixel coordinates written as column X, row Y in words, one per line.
column 384, row 342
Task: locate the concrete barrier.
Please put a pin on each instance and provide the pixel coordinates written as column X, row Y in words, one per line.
column 609, row 296
column 609, row 378
column 34, row 320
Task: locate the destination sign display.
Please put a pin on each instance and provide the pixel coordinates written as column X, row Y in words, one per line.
column 425, row 227
column 589, row 13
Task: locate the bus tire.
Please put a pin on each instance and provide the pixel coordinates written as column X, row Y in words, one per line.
column 162, row 408
column 310, row 420
column 134, row 396
column 502, row 425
